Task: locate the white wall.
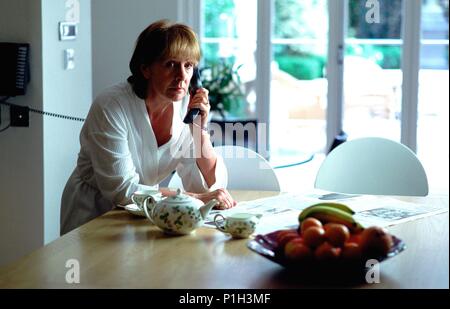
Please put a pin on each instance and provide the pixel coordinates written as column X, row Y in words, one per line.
column 21, row 149
column 116, row 24
column 35, row 162
column 67, row 92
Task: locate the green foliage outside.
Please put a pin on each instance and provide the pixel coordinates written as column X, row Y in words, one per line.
column 226, row 91
column 387, row 57
column 293, row 20
column 210, row 52
column 390, row 20
column 220, row 76
column 304, row 67
column 299, row 19
column 213, row 10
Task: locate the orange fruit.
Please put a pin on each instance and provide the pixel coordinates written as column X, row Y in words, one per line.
column 355, row 238
column 314, row 236
column 351, row 251
column 297, row 250
column 326, row 252
column 336, row 234
column 376, row 241
column 309, row 222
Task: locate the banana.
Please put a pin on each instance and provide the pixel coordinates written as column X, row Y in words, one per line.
column 339, row 206
column 328, row 214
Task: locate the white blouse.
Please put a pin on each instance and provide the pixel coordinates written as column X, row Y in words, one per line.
column 120, row 155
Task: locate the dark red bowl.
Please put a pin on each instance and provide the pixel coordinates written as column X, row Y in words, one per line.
column 266, row 245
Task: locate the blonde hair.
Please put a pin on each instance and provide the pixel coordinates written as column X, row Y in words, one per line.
column 161, row 40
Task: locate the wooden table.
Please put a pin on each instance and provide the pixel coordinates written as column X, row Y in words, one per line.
column 118, row 250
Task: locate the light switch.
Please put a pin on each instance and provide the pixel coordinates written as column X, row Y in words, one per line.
column 69, row 59
column 67, row 31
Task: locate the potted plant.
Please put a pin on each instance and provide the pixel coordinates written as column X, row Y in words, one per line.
column 226, row 91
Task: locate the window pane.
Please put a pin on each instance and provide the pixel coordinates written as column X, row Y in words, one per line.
column 433, row 122
column 299, row 86
column 366, row 21
column 220, row 18
column 229, row 38
column 372, row 70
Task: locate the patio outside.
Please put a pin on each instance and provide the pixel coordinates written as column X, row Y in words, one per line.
column 370, row 112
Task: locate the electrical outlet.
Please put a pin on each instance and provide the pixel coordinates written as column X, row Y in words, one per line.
column 19, row 116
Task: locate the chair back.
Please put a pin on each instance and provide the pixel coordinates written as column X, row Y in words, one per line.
column 247, row 170
column 372, row 165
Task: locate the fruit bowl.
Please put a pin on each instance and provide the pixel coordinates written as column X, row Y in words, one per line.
column 266, row 245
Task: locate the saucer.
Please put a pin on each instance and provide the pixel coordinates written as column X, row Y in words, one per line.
column 135, row 210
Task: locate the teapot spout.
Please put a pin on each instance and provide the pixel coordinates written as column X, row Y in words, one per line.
column 205, row 209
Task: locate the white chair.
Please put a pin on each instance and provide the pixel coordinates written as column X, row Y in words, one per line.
column 372, row 165
column 247, row 170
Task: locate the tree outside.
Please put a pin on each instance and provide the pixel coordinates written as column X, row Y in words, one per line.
column 301, row 20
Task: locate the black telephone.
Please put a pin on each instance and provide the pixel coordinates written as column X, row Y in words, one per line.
column 15, row 69
column 193, row 86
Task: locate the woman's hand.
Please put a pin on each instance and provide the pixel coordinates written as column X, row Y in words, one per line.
column 204, row 153
column 200, row 100
column 221, row 195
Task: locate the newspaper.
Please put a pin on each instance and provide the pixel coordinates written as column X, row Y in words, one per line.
column 281, row 211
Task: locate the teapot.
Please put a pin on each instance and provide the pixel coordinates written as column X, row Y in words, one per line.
column 179, row 214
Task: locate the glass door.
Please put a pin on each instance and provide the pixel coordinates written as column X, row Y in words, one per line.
column 298, row 84
column 372, row 80
column 433, row 113
column 228, row 44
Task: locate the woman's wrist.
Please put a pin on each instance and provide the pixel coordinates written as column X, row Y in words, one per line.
column 204, row 128
column 194, row 195
column 198, row 196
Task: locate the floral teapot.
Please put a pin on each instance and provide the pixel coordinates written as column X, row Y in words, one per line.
column 179, row 214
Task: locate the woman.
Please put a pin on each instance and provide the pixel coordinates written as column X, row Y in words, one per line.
column 134, row 137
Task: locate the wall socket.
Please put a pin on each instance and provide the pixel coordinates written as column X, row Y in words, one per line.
column 19, row 116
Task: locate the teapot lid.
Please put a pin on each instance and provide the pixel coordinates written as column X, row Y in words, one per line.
column 181, row 198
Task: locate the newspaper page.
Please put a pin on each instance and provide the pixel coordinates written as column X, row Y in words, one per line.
column 281, row 211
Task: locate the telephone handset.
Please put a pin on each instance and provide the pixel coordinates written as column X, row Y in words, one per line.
column 193, row 86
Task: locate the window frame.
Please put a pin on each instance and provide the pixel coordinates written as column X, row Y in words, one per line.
column 190, row 12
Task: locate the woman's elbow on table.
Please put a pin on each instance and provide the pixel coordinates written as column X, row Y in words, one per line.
column 118, row 195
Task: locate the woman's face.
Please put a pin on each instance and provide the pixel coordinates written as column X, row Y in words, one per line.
column 169, row 79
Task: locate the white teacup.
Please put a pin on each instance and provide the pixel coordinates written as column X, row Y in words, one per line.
column 139, row 197
column 239, row 225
